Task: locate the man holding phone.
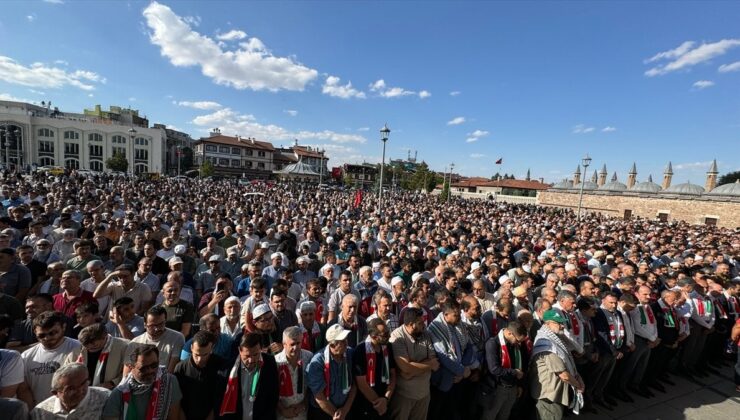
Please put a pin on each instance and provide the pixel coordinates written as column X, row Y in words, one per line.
column 213, row 301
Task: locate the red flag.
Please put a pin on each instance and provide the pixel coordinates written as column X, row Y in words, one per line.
column 358, row 198
column 286, row 383
column 500, row 161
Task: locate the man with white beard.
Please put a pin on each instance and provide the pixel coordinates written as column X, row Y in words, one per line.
column 43, row 252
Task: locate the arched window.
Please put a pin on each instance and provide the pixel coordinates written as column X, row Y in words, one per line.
column 46, row 161
column 71, row 135
column 140, row 141
column 45, row 132
column 96, row 165
column 118, row 139
column 141, row 168
column 95, row 137
column 72, row 164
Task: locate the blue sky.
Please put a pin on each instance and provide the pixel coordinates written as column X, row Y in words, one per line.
column 538, row 84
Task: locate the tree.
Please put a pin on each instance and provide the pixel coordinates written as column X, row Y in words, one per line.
column 206, row 169
column 496, row 176
column 347, row 180
column 729, row 178
column 117, row 162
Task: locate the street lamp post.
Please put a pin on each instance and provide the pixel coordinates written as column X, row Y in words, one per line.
column 585, row 161
column 449, row 186
column 321, row 166
column 179, row 158
column 132, row 132
column 5, row 135
column 384, row 133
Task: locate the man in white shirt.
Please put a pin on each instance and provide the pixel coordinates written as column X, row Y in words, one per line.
column 44, row 358
column 71, row 396
column 168, row 342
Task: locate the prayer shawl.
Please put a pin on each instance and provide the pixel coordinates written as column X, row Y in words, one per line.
column 102, row 362
column 718, row 304
column 159, row 400
column 616, row 328
column 506, row 361
column 547, row 341
column 646, row 315
column 670, row 315
column 343, row 366
column 703, row 306
column 286, row 380
column 370, row 359
column 310, row 338
column 443, row 332
column 233, row 387
column 476, row 332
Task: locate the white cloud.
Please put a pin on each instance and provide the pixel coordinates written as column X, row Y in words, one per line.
column 232, row 35
column 31, row 17
column 726, row 68
column 332, row 87
column 38, row 92
column 192, row 20
column 477, row 155
column 692, row 165
column 249, row 67
column 9, row 97
column 54, row 1
column 231, row 122
column 703, row 84
column 476, row 135
column 455, row 93
column 686, row 56
column 582, row 129
column 456, row 121
column 90, row 95
column 291, row 112
column 385, row 91
column 61, row 62
column 608, row 129
column 363, row 129
column 40, row 75
column 205, row 105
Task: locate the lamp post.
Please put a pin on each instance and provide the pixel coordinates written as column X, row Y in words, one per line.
column 5, row 135
column 384, row 133
column 321, row 166
column 132, row 133
column 179, row 158
column 585, row 162
column 449, row 187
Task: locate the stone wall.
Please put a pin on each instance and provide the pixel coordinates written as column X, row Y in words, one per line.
column 693, row 210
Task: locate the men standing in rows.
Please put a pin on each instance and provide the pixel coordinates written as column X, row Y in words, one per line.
column 72, row 295
column 169, row 343
column 374, row 369
column 330, row 378
column 291, row 364
column 349, row 320
column 44, row 358
column 645, row 328
column 72, row 397
column 148, row 390
column 198, row 376
column 103, row 355
column 507, row 361
column 611, row 340
column 312, row 335
column 456, row 356
column 125, row 286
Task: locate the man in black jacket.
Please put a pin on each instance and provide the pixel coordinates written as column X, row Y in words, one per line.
column 201, row 385
column 507, row 363
column 253, row 383
column 668, row 324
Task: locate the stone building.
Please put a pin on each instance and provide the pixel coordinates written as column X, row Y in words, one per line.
column 235, row 156
column 688, row 202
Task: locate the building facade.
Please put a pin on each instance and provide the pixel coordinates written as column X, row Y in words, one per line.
column 36, row 135
column 363, row 175
column 177, row 144
column 235, row 156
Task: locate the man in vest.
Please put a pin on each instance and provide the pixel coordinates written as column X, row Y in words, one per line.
column 646, row 339
column 612, row 345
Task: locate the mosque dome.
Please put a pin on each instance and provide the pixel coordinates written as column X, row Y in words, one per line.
column 732, row 190
column 587, row 185
column 563, row 185
column 613, row 186
column 684, row 189
column 646, row 187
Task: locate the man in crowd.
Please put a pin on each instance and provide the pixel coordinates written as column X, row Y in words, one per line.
column 198, row 376
column 72, row 397
column 330, row 378
column 103, row 355
column 374, row 368
column 169, row 343
column 291, row 364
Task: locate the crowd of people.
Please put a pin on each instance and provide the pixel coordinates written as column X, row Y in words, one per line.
column 193, row 299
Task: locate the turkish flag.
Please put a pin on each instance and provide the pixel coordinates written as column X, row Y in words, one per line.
column 500, row 161
column 286, row 383
column 370, row 367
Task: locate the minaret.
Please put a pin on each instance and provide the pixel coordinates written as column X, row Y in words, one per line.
column 650, row 178
column 711, row 177
column 527, row 178
column 632, row 176
column 577, row 175
column 602, row 176
column 614, row 177
column 667, row 175
column 595, row 177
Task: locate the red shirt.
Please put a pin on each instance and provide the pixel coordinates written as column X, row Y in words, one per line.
column 68, row 307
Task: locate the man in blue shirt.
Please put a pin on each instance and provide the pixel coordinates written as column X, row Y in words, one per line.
column 330, row 379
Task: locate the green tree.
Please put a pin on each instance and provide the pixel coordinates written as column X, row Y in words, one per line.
column 496, row 176
column 729, row 178
column 117, row 162
column 347, row 180
column 206, row 169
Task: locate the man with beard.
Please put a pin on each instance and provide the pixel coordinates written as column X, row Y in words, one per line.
column 44, row 358
column 22, row 335
column 416, row 360
column 148, row 390
column 169, row 342
column 231, row 323
column 349, row 320
column 553, row 372
column 72, row 397
column 374, row 368
column 43, row 252
column 291, row 362
column 37, row 268
column 507, row 361
column 198, row 376
column 330, row 378
column 83, row 255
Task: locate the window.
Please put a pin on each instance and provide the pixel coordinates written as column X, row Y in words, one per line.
column 96, row 165
column 249, row 164
column 235, row 163
column 118, row 139
column 141, row 141
column 211, row 148
column 235, row 151
column 72, row 164
column 119, row 151
column 141, row 154
column 249, row 152
column 261, row 165
column 46, row 147
column 71, row 135
column 71, row 149
column 261, row 154
column 45, row 132
column 96, row 150
column 94, row 137
column 663, row 217
column 710, row 221
column 141, row 168
column 627, row 214
column 224, row 149
column 223, row 162
column 46, row 161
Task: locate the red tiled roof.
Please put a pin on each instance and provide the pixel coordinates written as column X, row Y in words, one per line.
column 232, row 141
column 303, row 151
column 519, row 184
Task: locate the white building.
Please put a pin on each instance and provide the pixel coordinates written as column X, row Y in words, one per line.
column 37, row 135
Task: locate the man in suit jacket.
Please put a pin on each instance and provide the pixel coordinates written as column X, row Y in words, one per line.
column 108, row 351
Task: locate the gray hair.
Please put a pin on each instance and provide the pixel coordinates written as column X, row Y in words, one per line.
column 350, row 298
column 292, row 333
column 94, row 264
column 67, row 370
column 73, row 273
column 365, row 268
column 566, row 294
